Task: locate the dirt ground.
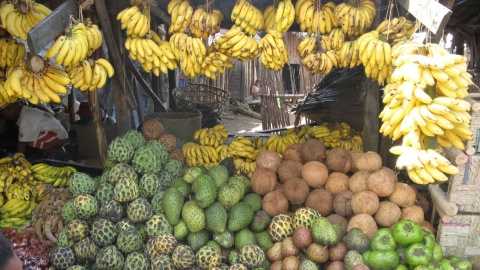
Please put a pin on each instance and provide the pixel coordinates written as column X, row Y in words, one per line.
column 237, row 123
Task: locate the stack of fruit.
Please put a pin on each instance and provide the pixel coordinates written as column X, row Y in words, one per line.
column 48, row 174
column 424, row 102
column 279, row 143
column 338, row 135
column 245, row 152
column 206, row 153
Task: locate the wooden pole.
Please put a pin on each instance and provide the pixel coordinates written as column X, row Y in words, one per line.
column 97, row 124
column 440, row 200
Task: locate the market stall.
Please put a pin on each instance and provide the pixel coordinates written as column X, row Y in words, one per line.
column 384, row 175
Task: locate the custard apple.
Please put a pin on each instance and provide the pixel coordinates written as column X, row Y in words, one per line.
column 136, row 261
column 62, row 257
column 111, row 210
column 85, row 206
column 129, row 240
column 81, row 183
column 103, row 232
column 120, row 150
column 109, row 258
column 135, row 137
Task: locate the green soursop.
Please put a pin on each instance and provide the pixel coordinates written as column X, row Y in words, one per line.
column 120, row 150
column 81, row 183
column 145, row 160
column 240, row 216
column 62, row 257
column 254, row 200
column 183, row 257
column 323, row 232
column 252, row 256
column 172, row 204
column 85, row 250
column 241, row 181
column 181, row 186
column 68, row 213
column 207, row 258
column 216, row 218
column 77, row 230
column 156, row 203
column 126, row 190
column 103, row 232
column 225, row 239
column 173, row 167
column 260, row 222
column 264, row 240
column 198, row 239
column 63, row 240
column 157, row 225
column 149, row 185
column 194, row 216
column 180, row 231
column 136, row 261
column 111, row 210
column 205, row 191
column 135, row 137
column 139, row 210
column 85, row 206
column 308, row 265
column 121, row 171
column 164, row 243
column 243, row 238
column 129, row 240
column 109, row 258
column 219, row 174
column 191, row 174
column 162, row 262
column 104, row 193
column 280, row 227
column 229, row 195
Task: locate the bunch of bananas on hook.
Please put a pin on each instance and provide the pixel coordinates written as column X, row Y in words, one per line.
column 315, row 18
column 90, row 74
column 71, row 47
column 205, row 23
column 246, row 16
column 135, row 19
column 279, row 17
column 214, row 136
column 19, row 17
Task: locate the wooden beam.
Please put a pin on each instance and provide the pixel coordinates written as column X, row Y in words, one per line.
column 164, row 17
column 430, row 12
column 48, row 29
column 371, row 125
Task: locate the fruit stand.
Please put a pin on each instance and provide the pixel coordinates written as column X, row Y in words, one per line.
column 322, row 195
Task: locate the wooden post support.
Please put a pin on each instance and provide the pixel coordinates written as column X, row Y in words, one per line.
column 371, row 125
column 48, row 29
column 455, row 156
column 97, row 124
column 440, row 200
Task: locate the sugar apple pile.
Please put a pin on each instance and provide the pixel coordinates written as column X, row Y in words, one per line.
column 145, row 213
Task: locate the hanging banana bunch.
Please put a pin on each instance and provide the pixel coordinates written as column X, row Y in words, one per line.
column 135, row 19
column 11, row 52
column 94, row 37
column 376, row 55
column 204, row 24
column 246, row 16
column 315, row 18
column 18, row 18
column 319, row 60
column 70, row 48
column 181, row 13
column 90, row 74
column 397, row 29
column 355, row 21
column 236, row 44
column 349, row 55
column 279, row 17
column 274, row 51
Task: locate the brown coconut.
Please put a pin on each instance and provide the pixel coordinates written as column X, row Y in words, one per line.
column 296, row 190
column 336, row 218
column 275, row 203
column 403, row 195
column 289, row 169
column 313, row 149
column 263, row 180
column 293, row 152
column 364, row 222
column 336, row 183
column 315, row 173
column 355, row 154
column 342, row 204
column 268, row 159
column 320, row 200
column 365, row 202
column 279, row 186
column 382, row 182
column 358, row 181
column 339, row 160
column 369, row 161
column 388, row 213
column 413, row 213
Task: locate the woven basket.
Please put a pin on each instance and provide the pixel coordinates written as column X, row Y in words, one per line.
column 87, row 139
column 201, row 94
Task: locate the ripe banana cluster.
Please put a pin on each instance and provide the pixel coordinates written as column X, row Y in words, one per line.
column 57, row 176
column 214, row 136
column 243, row 147
column 397, row 29
column 355, row 21
column 70, row 48
column 274, row 51
column 156, row 56
column 20, row 17
column 279, row 143
column 246, row 166
column 301, row 133
column 425, row 97
column 223, row 152
column 236, row 44
column 196, row 154
column 315, row 19
column 309, row 45
column 376, row 55
column 16, row 212
column 246, row 16
column 423, row 166
column 280, row 17
column 337, row 38
column 321, row 62
column 349, row 55
column 135, row 19
column 338, row 135
column 4, row 97
column 90, row 74
column 94, row 37
column 181, row 13
column 215, row 62
column 15, row 169
column 11, row 52
column 189, row 52
column 204, row 24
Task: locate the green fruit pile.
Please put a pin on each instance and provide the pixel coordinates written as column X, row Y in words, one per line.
column 144, row 213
